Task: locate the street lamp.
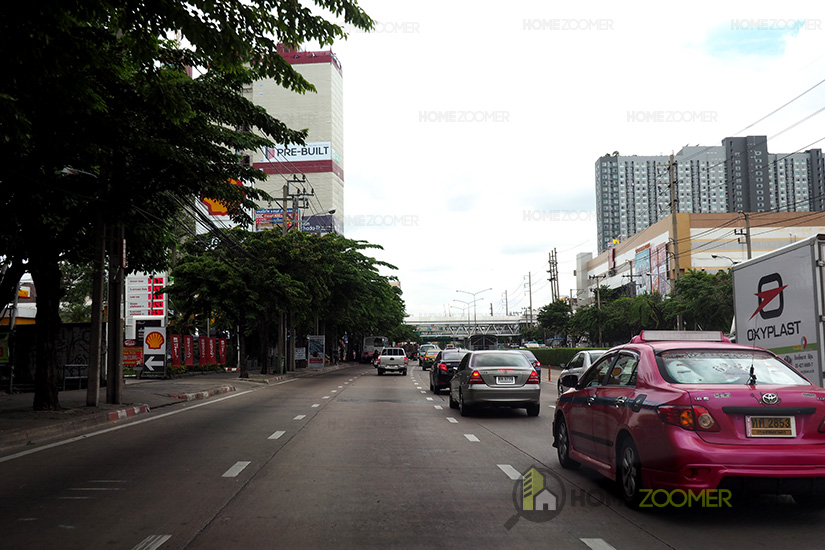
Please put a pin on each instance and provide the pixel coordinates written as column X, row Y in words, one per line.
column 467, row 307
column 732, row 262
column 473, row 294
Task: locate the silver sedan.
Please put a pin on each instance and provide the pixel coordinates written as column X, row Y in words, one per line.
column 493, row 377
column 580, row 363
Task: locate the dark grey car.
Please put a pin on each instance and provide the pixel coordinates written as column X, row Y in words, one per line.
column 580, row 363
column 494, row 377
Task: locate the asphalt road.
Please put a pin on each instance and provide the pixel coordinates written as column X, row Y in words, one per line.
column 346, row 460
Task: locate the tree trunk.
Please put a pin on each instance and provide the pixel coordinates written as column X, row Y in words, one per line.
column 244, row 371
column 46, row 277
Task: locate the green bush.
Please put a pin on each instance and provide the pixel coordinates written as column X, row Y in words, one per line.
column 555, row 357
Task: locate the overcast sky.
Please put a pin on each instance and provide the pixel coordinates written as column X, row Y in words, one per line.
column 472, row 128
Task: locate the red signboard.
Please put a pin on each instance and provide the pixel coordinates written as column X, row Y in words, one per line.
column 210, row 343
column 221, row 351
column 188, row 350
column 174, row 348
column 132, row 356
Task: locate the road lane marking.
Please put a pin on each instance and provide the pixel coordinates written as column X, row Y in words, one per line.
column 300, row 417
column 316, row 405
column 334, row 391
column 451, row 419
column 236, row 469
column 422, row 391
column 511, row 472
column 471, row 437
column 326, row 397
column 276, row 435
column 597, row 544
column 439, row 407
column 152, row 542
column 339, row 387
column 430, row 399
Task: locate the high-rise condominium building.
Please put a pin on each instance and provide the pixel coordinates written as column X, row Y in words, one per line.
column 633, row 192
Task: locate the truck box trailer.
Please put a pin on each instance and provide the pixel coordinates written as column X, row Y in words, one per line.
column 779, row 304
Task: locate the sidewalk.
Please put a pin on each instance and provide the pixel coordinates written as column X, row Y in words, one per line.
column 23, row 428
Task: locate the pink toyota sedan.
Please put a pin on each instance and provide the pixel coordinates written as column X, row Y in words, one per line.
column 690, row 411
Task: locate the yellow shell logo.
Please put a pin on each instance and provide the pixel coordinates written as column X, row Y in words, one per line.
column 154, row 340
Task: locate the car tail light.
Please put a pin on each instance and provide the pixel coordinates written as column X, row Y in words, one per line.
column 695, row 418
column 475, row 378
column 822, row 426
column 378, row 361
column 534, row 378
column 442, row 366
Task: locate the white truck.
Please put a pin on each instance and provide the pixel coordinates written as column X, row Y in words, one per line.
column 779, row 304
column 392, row 360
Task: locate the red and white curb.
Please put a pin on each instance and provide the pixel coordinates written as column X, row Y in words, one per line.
column 127, row 412
column 202, row 394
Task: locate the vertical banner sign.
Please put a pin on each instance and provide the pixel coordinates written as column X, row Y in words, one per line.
column 221, row 351
column 316, row 351
column 188, row 350
column 202, row 353
column 154, row 351
column 174, row 342
column 210, row 344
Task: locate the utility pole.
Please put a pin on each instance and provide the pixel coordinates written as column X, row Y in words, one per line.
column 530, row 288
column 114, row 375
column 748, row 233
column 674, row 209
column 598, row 302
column 554, row 275
column 506, row 305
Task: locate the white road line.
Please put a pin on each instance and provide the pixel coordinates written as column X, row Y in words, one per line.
column 439, row 407
column 152, row 542
column 300, row 417
column 422, row 391
column 511, row 472
column 326, row 397
column 334, row 391
column 471, row 437
column 451, row 419
column 236, row 469
column 597, row 544
column 430, row 399
column 316, row 405
column 339, row 387
column 276, row 435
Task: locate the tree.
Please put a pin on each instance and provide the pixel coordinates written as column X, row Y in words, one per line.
column 94, row 86
column 704, row 300
column 554, row 316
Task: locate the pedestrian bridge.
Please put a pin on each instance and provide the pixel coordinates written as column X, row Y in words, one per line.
column 454, row 328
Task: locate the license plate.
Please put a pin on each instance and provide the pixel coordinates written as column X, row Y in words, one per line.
column 505, row 379
column 770, row 426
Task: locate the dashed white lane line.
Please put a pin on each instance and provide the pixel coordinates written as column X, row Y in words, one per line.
column 152, row 542
column 300, row 417
column 339, row 387
column 333, row 391
column 276, row 435
column 511, row 472
column 452, row 419
column 236, row 469
column 430, row 399
column 439, row 407
column 597, row 544
column 326, row 397
column 471, row 437
column 422, row 391
column 315, row 405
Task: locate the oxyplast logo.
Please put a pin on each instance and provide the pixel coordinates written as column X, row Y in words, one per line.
column 765, row 296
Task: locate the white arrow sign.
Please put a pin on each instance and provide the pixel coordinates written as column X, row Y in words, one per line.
column 153, row 361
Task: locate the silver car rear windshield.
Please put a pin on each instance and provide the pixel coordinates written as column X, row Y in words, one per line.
column 500, row 360
column 725, row 367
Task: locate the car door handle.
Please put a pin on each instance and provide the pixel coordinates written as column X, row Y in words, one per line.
column 620, row 401
column 590, row 400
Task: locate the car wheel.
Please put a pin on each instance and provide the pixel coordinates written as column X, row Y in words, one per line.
column 404, row 372
column 563, row 446
column 533, row 409
column 380, row 372
column 463, row 407
column 453, row 403
column 432, row 388
column 629, row 473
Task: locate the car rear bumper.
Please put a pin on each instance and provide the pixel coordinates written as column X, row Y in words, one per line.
column 760, row 479
column 524, row 395
column 391, row 367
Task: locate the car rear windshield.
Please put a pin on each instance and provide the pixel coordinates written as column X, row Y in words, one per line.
column 500, row 359
column 452, row 355
column 725, row 367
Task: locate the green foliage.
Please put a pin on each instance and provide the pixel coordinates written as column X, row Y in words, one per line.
column 554, row 317
column 704, row 300
column 557, row 356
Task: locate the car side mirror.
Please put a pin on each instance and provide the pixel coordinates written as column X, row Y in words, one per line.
column 569, row 380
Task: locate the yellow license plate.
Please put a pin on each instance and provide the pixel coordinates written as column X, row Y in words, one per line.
column 770, row 426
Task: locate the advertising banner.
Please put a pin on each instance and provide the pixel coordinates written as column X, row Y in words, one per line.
column 203, row 353
column 270, row 218
column 212, row 353
column 316, row 351
column 313, row 151
column 221, row 351
column 132, row 356
column 174, row 348
column 642, row 265
column 188, row 350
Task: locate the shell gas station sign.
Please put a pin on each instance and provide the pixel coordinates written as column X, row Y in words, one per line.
column 154, row 351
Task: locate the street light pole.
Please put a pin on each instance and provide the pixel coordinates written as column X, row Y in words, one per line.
column 473, row 294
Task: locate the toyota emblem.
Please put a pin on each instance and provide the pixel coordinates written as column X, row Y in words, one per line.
column 770, row 398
